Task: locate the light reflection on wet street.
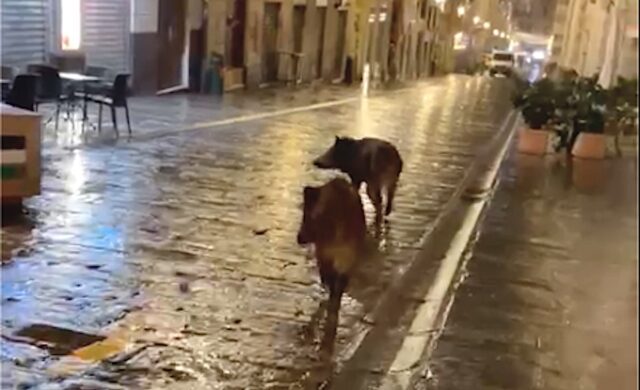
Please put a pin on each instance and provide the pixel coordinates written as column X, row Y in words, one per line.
column 183, row 245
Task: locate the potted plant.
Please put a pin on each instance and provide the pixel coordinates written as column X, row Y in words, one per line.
column 587, row 138
column 622, row 106
column 536, row 104
column 564, row 110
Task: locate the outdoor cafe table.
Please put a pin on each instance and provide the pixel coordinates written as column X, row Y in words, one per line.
column 82, row 80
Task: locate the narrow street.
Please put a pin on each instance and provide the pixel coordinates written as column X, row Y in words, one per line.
column 183, row 243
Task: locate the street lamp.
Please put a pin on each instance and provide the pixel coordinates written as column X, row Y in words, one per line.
column 496, row 32
column 461, row 11
column 503, row 35
column 486, row 25
column 476, row 20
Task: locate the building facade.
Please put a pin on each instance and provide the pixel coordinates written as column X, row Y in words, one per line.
column 168, row 45
column 592, row 35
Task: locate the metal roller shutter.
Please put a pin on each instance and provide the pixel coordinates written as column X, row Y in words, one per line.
column 106, row 33
column 25, row 26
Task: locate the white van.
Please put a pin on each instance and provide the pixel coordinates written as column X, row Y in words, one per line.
column 502, row 62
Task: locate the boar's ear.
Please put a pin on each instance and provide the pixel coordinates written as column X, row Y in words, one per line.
column 337, row 139
column 311, row 195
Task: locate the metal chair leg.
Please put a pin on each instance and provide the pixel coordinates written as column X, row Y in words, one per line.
column 57, row 115
column 126, row 110
column 114, row 119
column 99, row 118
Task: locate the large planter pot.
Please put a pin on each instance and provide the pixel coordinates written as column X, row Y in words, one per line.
column 533, row 141
column 590, row 146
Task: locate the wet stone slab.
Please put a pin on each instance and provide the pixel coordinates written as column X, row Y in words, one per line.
column 184, row 245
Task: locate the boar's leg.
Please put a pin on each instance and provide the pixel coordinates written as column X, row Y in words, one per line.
column 333, row 310
column 327, row 274
column 309, row 330
column 391, row 192
column 373, row 190
column 355, row 182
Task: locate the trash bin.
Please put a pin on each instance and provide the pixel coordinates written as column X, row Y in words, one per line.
column 213, row 82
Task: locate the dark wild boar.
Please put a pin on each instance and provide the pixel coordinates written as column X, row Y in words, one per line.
column 372, row 161
column 333, row 220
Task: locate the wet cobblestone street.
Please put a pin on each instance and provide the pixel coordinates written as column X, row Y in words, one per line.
column 183, row 242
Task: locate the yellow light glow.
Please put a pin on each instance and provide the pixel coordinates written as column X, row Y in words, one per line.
column 486, row 25
column 461, row 11
column 459, row 41
column 71, row 22
column 476, row 20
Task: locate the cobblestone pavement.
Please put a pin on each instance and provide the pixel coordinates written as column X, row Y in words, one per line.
column 183, row 244
column 550, row 297
column 153, row 116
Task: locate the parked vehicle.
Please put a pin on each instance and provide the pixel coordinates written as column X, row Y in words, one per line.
column 501, row 62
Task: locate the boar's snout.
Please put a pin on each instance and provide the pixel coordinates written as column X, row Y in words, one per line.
column 322, row 162
column 302, row 239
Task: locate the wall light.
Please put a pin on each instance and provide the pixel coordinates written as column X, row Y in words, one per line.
column 461, row 11
column 486, row 25
column 476, row 20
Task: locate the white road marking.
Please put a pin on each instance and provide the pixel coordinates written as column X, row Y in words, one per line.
column 411, row 352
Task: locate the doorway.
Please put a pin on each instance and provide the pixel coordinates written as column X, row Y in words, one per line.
column 171, row 40
column 340, row 39
column 321, row 12
column 270, row 42
column 298, row 27
column 237, row 33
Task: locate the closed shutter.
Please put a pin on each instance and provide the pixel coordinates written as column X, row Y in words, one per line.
column 25, row 25
column 106, row 33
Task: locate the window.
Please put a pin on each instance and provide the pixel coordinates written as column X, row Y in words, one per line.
column 70, row 24
column 503, row 57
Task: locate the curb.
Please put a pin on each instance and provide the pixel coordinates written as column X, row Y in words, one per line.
column 432, row 314
column 439, row 246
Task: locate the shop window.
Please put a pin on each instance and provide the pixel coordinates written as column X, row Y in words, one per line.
column 70, row 24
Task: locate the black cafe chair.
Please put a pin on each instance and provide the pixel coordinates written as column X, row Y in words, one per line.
column 99, row 87
column 8, row 73
column 49, row 88
column 23, row 92
column 114, row 97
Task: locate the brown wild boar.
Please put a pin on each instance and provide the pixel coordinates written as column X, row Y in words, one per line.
column 333, row 220
column 373, row 161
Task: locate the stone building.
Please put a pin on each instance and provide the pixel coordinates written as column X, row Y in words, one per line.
column 167, row 45
column 592, row 35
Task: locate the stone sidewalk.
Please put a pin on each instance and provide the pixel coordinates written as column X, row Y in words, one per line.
column 156, row 116
column 549, row 299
